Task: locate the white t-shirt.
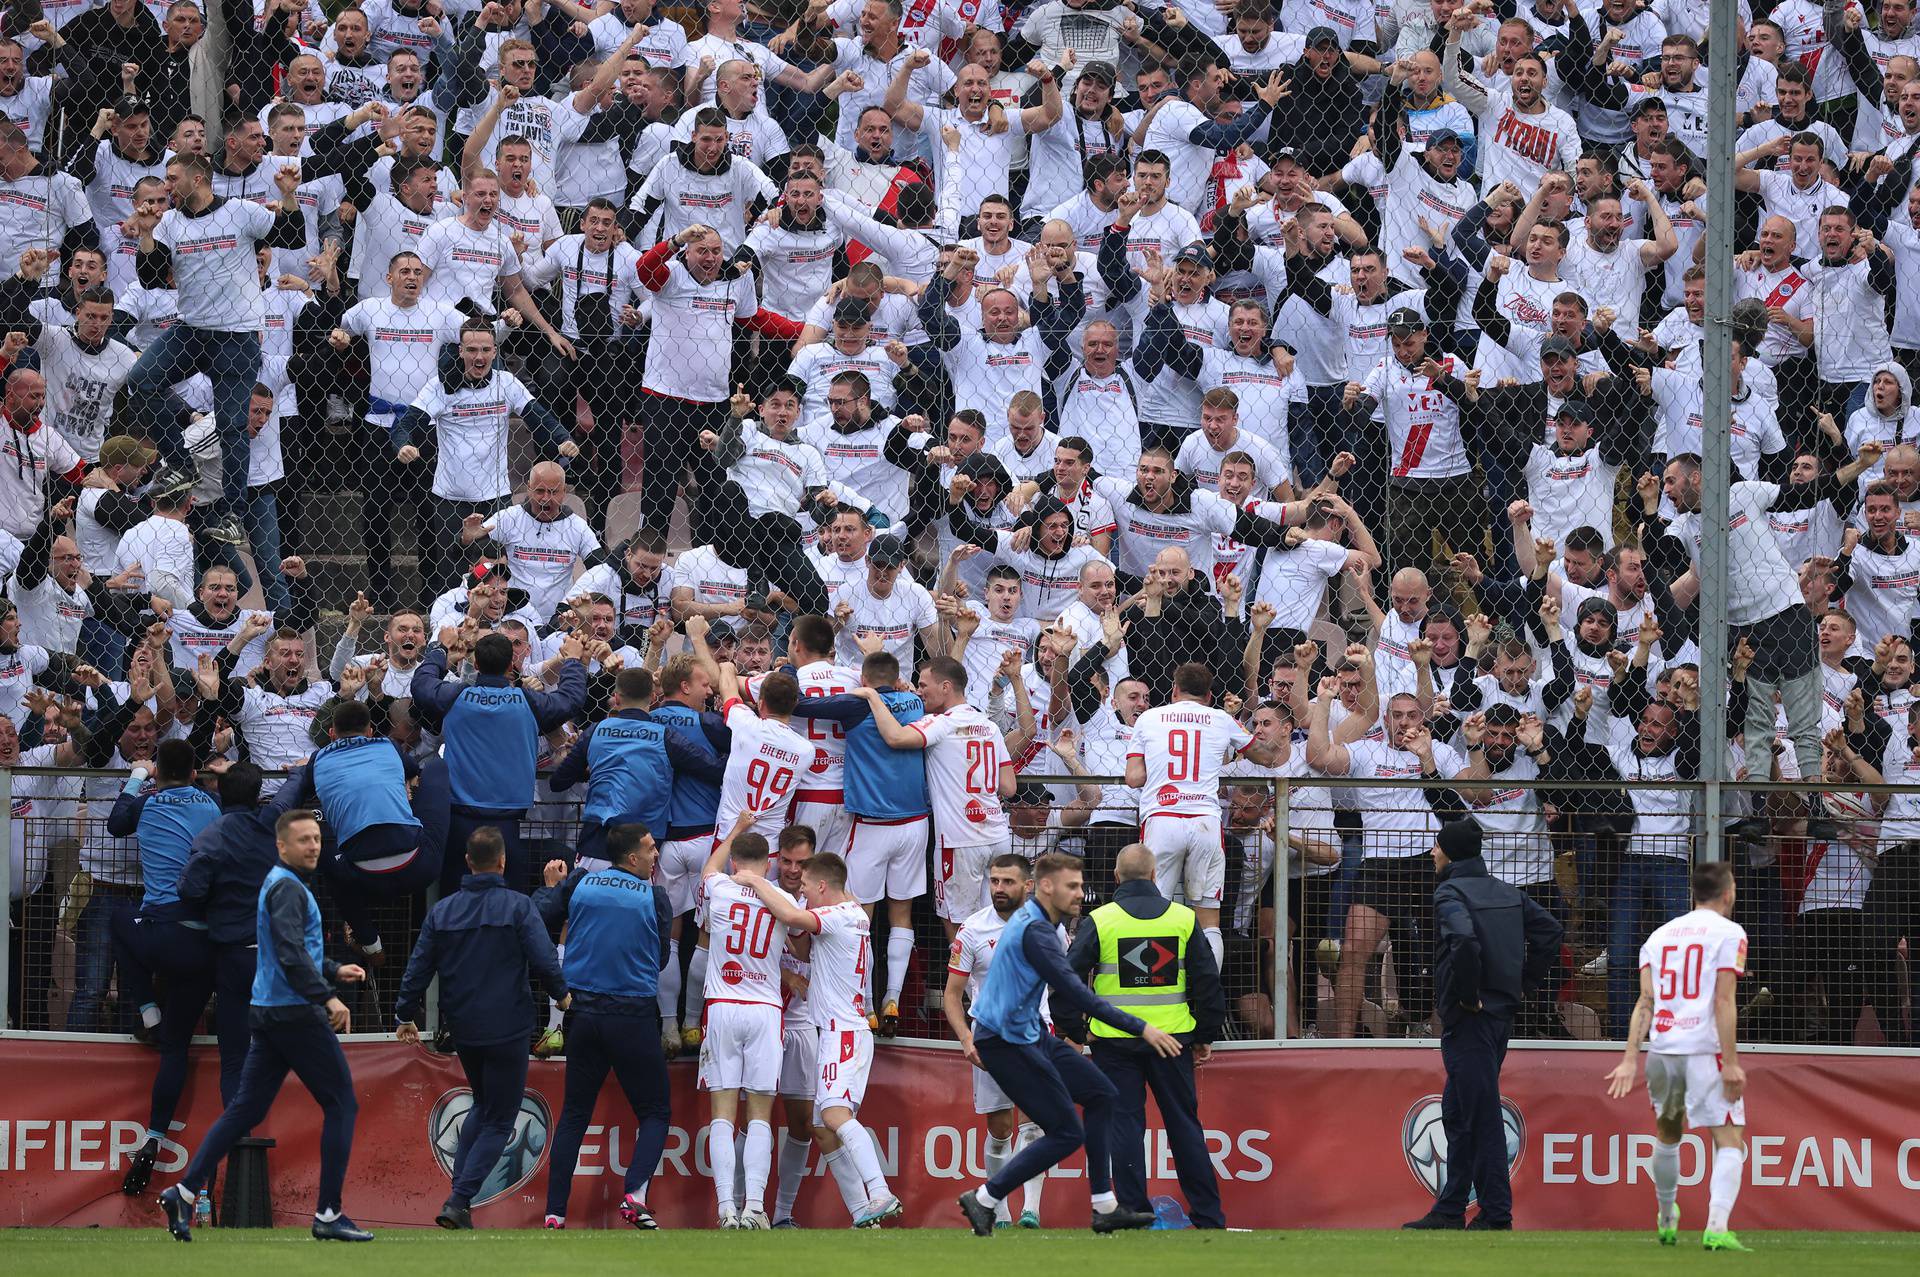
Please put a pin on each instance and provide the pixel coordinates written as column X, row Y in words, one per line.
column 470, row 425
column 542, row 553
column 463, row 262
column 214, row 270
column 964, row 754
column 1686, row 957
column 27, row 457
column 895, row 618
column 1184, row 746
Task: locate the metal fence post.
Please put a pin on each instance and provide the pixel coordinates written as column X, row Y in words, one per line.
column 1282, row 943
column 1716, row 416
column 6, row 894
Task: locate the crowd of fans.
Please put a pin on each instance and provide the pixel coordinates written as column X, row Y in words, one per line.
column 1348, row 350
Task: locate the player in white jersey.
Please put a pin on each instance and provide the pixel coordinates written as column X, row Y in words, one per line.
column 799, row 1040
column 767, row 757
column 819, row 797
column 1009, row 878
column 841, row 953
column 969, row 772
column 740, row 1053
column 1688, row 970
column 1175, row 762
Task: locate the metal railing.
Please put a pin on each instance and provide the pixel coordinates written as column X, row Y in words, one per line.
column 1326, row 943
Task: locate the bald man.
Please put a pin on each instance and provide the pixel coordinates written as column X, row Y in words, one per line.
column 1143, row 953
column 541, row 538
column 1770, row 277
column 1409, row 597
column 1177, row 618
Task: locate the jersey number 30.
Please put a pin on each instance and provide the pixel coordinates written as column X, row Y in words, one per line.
column 749, row 930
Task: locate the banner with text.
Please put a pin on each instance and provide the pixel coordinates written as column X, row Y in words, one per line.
column 1301, row 1138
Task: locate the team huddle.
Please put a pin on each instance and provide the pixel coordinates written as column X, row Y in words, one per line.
column 788, row 998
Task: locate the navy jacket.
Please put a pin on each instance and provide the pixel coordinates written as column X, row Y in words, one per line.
column 1493, row 944
column 227, row 863
column 1205, row 997
column 482, row 941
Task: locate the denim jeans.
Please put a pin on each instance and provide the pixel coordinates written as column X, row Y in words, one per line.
column 1649, row 891
column 232, row 362
column 260, row 519
column 93, row 961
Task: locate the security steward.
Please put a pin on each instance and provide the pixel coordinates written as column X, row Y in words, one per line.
column 1492, row 950
column 1140, row 953
column 482, row 941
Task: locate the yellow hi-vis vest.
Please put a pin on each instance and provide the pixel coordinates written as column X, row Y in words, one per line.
column 1143, row 967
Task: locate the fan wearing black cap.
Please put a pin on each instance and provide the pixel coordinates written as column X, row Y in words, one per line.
column 1325, row 109
column 1513, row 422
column 1420, row 171
column 1177, row 300
column 1492, row 950
column 1430, row 483
column 1058, row 156
column 885, row 604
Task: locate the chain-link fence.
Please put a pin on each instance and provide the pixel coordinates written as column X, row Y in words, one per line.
column 1826, row 891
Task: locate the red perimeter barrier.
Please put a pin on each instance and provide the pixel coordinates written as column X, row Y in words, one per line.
column 1302, row 1138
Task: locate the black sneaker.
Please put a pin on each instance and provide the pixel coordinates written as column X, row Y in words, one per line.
column 1119, row 1219
column 140, row 1169
column 339, row 1229
column 1437, row 1223
column 1481, row 1224
column 978, row 1214
column 177, row 1202
column 454, row 1217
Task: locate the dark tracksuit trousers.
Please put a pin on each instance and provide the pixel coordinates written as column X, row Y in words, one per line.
column 298, row 1041
column 183, row 958
column 1133, row 1068
column 1046, row 1080
column 461, row 822
column 497, row 1075
column 356, row 888
column 1473, row 1049
column 627, row 1044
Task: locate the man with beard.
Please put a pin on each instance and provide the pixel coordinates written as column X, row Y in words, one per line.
column 389, row 671
column 1009, row 878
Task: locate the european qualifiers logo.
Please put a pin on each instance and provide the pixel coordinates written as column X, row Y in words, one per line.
column 1423, row 1137
column 526, row 1147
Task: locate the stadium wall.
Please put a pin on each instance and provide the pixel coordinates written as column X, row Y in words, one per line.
column 1303, row 1137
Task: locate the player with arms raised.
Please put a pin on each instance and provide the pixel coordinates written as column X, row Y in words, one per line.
column 740, row 1053
column 836, row 994
column 1178, row 752
column 1688, row 969
column 968, row 772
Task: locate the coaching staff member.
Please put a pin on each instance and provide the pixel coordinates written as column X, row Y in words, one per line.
column 1492, row 948
column 616, row 922
column 1137, row 952
column 482, row 941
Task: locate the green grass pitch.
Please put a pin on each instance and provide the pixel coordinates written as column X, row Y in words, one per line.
column 288, row 1252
